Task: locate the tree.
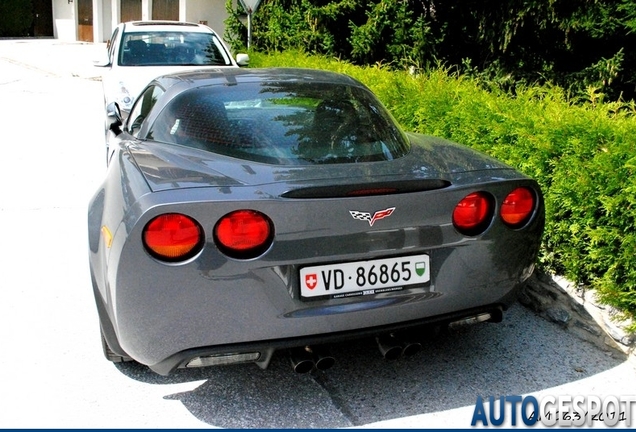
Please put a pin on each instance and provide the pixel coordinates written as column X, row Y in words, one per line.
column 576, row 44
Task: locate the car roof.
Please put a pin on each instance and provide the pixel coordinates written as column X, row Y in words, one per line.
column 160, row 26
column 226, row 76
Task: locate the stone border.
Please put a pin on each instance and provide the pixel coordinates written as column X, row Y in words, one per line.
column 575, row 309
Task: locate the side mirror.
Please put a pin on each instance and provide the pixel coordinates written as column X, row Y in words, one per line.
column 242, row 59
column 114, row 120
column 102, row 62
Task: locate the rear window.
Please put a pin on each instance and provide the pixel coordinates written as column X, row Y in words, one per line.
column 155, row 48
column 282, row 123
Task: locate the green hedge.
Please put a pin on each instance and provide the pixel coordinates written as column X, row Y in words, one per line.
column 584, row 157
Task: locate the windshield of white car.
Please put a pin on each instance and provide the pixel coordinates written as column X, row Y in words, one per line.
column 156, row 48
column 287, row 123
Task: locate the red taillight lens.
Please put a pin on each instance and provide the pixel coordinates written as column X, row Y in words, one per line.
column 173, row 237
column 517, row 207
column 473, row 213
column 244, row 233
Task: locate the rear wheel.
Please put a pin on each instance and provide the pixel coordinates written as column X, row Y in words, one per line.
column 109, row 354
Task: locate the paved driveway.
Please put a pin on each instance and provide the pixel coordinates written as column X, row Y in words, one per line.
column 51, row 368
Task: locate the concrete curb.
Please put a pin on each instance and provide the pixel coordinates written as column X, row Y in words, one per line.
column 576, row 310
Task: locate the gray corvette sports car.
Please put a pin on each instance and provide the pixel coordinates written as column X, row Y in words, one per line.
column 248, row 211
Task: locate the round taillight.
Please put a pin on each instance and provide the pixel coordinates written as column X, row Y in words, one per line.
column 244, row 234
column 173, row 237
column 517, row 207
column 472, row 214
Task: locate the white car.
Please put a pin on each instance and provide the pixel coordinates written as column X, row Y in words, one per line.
column 139, row 51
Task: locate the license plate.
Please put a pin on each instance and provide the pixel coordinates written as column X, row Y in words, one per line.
column 364, row 277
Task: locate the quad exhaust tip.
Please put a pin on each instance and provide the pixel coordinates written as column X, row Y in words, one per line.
column 393, row 347
column 308, row 358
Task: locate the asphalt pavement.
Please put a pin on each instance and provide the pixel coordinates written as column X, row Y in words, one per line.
column 52, row 370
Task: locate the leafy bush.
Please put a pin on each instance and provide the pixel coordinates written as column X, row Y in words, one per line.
column 285, row 24
column 583, row 156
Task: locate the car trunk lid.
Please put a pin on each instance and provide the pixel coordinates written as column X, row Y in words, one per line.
column 431, row 164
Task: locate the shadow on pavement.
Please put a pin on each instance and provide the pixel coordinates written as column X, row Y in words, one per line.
column 521, row 355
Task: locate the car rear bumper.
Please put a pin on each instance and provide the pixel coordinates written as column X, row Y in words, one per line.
column 188, row 312
column 417, row 329
column 262, row 351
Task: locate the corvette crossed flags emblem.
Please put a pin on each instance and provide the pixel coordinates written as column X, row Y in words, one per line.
column 380, row 214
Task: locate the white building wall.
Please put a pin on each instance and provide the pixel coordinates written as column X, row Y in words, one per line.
column 106, row 16
column 115, row 14
column 98, row 20
column 64, row 20
column 146, row 10
column 182, row 10
column 212, row 11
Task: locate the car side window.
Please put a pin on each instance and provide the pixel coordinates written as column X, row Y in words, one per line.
column 142, row 107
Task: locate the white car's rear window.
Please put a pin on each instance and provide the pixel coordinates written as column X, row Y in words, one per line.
column 155, row 48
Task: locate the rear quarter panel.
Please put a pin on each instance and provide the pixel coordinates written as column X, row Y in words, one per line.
column 112, row 213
